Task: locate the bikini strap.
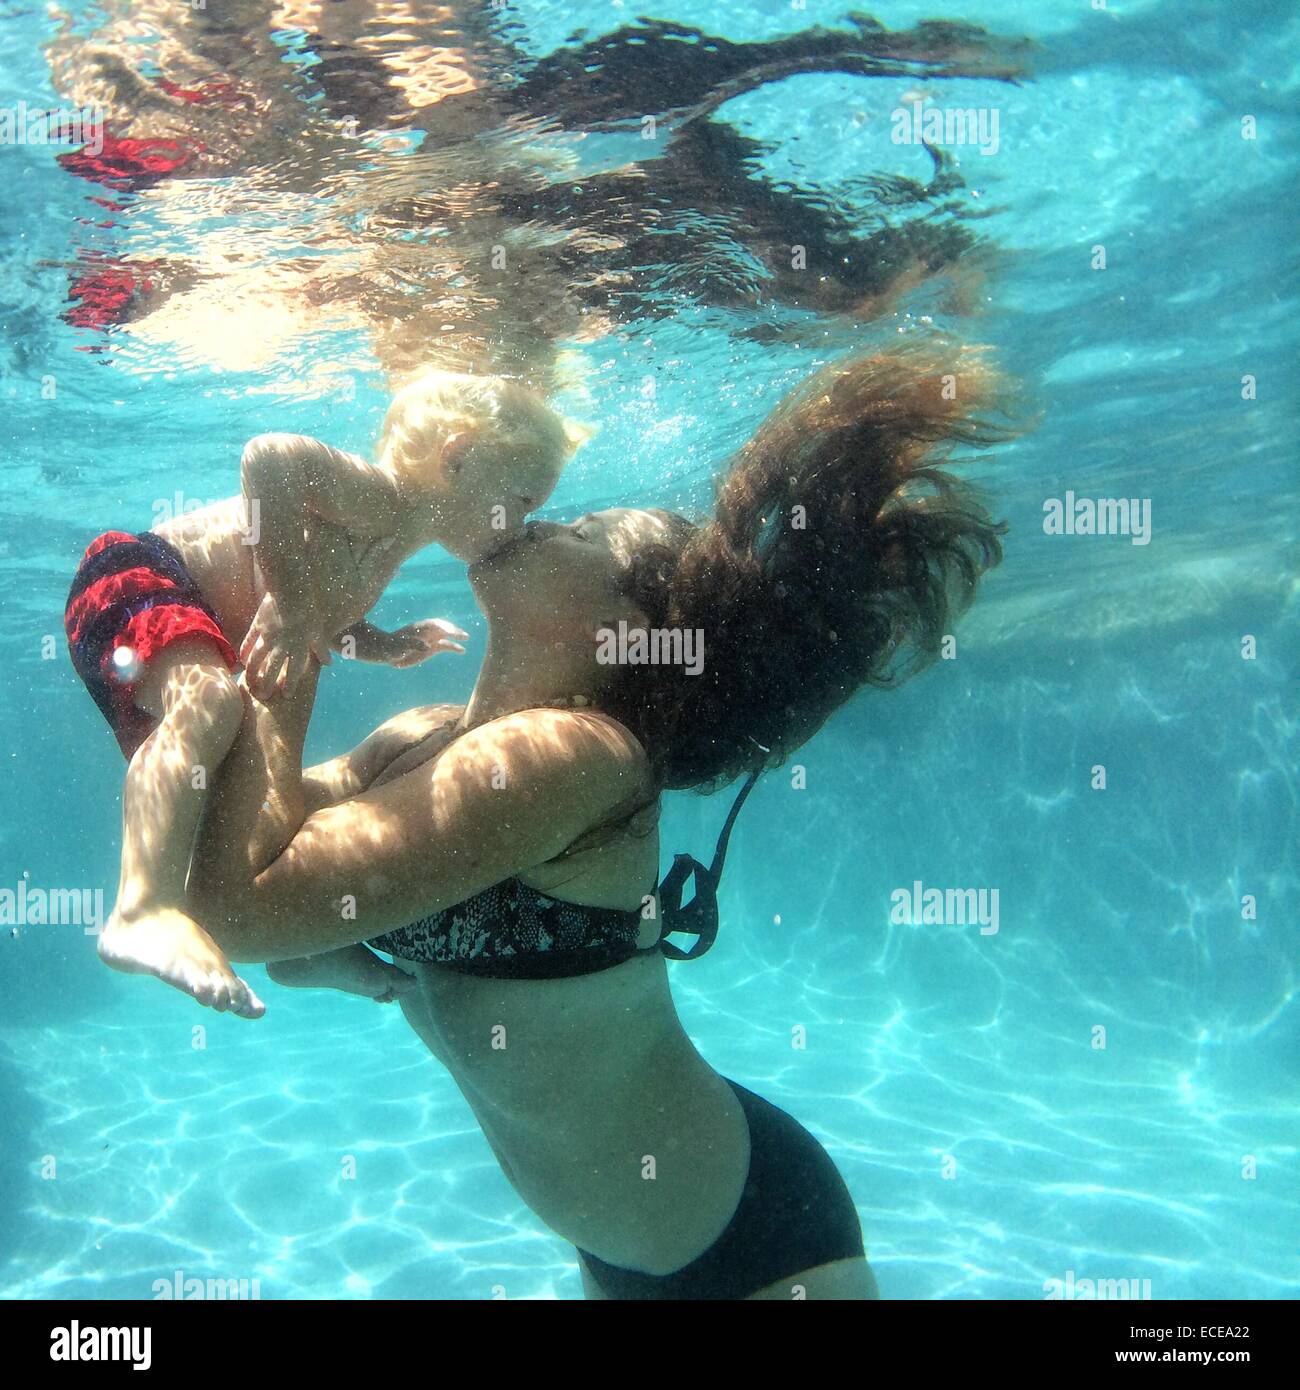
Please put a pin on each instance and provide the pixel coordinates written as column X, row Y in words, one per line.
column 700, row 916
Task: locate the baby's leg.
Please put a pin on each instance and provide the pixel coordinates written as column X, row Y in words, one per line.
column 199, row 707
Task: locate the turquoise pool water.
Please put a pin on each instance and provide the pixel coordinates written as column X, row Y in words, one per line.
column 955, row 1075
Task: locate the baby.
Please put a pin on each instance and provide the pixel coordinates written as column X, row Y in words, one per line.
column 308, row 547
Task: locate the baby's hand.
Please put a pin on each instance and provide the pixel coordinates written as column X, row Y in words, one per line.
column 410, row 645
column 278, row 649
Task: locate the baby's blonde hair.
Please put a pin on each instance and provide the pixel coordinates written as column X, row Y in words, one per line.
column 438, row 406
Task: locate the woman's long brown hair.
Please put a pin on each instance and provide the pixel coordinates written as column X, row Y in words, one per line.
column 840, row 553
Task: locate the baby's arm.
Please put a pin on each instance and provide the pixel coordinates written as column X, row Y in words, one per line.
column 293, row 488
column 407, row 646
column 294, row 479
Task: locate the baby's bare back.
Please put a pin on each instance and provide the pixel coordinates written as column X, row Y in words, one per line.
column 218, row 545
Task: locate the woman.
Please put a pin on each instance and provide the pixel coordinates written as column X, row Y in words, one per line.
column 508, row 848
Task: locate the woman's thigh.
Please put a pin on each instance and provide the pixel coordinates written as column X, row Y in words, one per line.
column 591, row 1290
column 845, row 1280
column 841, row 1279
column 415, row 1009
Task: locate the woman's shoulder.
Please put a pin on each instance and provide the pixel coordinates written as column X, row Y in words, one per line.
column 583, row 734
column 581, row 756
column 624, row 813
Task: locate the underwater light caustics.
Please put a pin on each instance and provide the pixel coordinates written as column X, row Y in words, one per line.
column 399, row 243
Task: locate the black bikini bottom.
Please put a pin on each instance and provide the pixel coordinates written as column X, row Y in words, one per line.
column 794, row 1214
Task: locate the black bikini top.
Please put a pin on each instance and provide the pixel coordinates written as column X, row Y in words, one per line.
column 512, row 931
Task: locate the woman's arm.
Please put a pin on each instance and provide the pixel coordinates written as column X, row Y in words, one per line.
column 350, row 774
column 502, row 799
column 349, row 970
column 409, row 738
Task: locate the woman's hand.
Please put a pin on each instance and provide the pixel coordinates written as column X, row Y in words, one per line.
column 350, row 970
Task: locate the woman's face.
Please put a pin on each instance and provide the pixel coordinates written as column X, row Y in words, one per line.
column 555, row 578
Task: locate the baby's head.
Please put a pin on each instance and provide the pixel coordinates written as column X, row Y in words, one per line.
column 473, row 455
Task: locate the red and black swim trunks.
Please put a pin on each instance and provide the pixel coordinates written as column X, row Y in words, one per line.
column 131, row 597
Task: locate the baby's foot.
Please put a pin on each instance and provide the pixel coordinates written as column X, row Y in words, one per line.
column 172, row 946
